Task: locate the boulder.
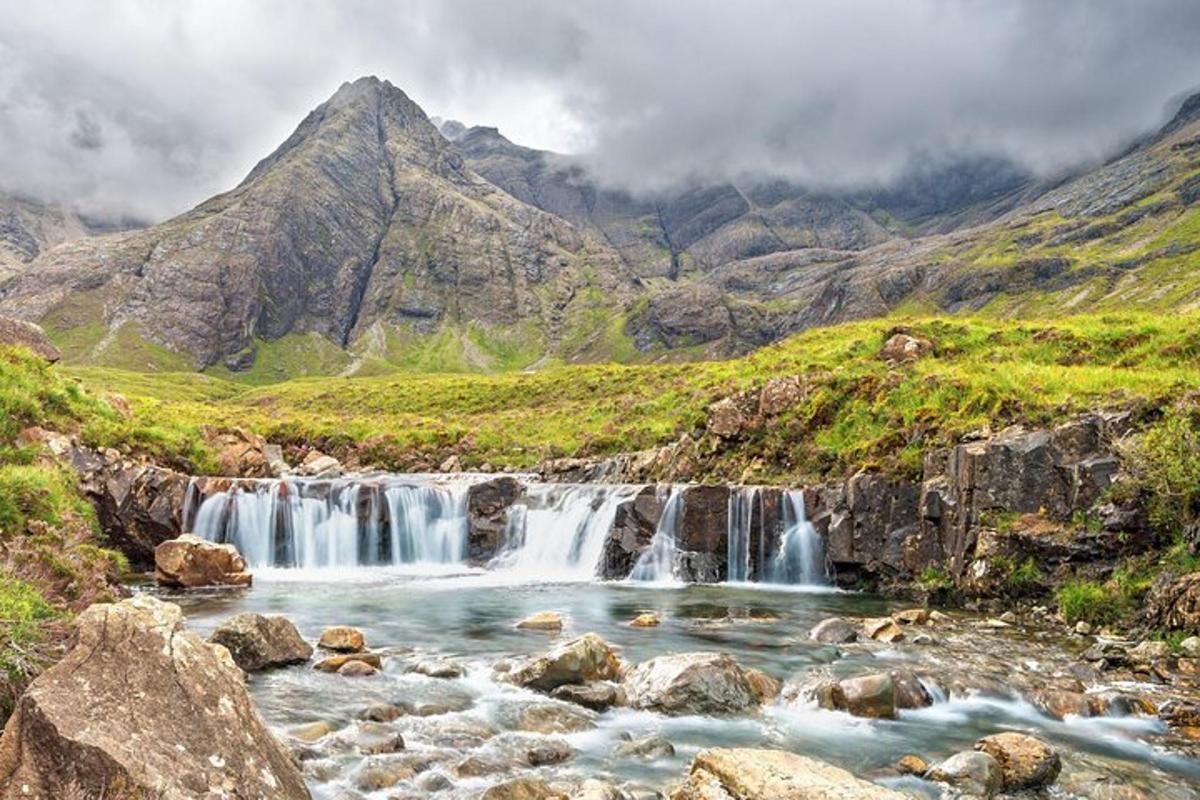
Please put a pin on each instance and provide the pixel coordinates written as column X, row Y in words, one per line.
column 342, row 639
column 647, row 620
column 592, row 789
column 883, row 629
column 909, row 691
column 18, row 333
column 443, row 668
column 550, row 751
column 650, row 748
column 912, row 616
column 1026, row 762
column 335, row 663
column 522, row 789
column 971, row 772
column 581, row 660
column 1149, row 651
column 780, row 394
column 872, row 696
column 751, row 774
column 834, row 630
column 257, row 641
column 317, row 464
column 487, row 515
column 357, row 669
column 633, row 527
column 142, row 703
column 726, row 419
column 902, row 347
column 555, row 718
column 190, row 562
column 766, row 687
column 542, row 621
column 691, row 683
column 240, row 453
column 598, row 696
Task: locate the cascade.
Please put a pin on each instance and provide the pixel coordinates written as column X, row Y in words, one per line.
column 743, row 501
column 657, row 563
column 800, row 558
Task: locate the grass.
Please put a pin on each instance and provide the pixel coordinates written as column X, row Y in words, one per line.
column 24, row 615
column 1088, row 601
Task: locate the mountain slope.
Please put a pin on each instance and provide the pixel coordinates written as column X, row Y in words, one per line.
column 366, row 216
column 29, row 226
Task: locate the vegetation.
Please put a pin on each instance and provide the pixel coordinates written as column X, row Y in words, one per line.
column 1088, row 601
column 1165, row 464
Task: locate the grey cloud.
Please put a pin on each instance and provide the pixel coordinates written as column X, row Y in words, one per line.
column 146, row 108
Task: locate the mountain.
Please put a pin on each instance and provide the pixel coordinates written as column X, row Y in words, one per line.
column 29, row 226
column 365, row 221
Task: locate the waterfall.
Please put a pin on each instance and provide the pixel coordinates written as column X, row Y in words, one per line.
column 427, row 524
column 657, row 562
column 742, row 504
column 557, row 532
column 800, row 558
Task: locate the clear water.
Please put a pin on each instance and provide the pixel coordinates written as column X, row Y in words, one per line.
column 469, row 615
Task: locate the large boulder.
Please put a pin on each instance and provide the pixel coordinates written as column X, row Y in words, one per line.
column 144, row 704
column 1026, row 762
column 189, row 562
column 581, row 660
column 487, row 515
column 750, row 774
column 1174, row 603
column 18, row 333
column 633, row 527
column 692, row 683
column 973, row 773
column 872, row 696
column 258, row 641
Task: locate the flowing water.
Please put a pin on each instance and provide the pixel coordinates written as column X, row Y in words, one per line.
column 405, row 583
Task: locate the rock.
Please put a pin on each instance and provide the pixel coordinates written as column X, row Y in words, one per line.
column 335, row 663
column 834, row 630
column 256, row 641
column 442, row 668
column 1026, row 762
column 972, row 772
column 487, row 515
column 186, row 725
column 554, row 751
column 780, row 394
column 522, row 789
column 317, row 464
column 240, row 453
column 1149, row 651
column 1060, row 703
column 766, row 687
column 691, row 683
column 750, row 774
column 725, row 419
column 649, row 747
column 378, row 739
column 190, row 562
column 883, row 629
column 312, row 731
column 18, row 333
column 382, row 772
column 1083, row 628
column 633, row 526
column 912, row 616
column 356, row 669
column 872, row 696
column 542, row 621
column 909, row 691
column 592, row 789
column 902, row 347
column 647, row 620
column 342, row 639
column 1190, row 647
column 555, row 718
column 581, row 660
column 911, row 765
column 598, row 696
column 386, row 712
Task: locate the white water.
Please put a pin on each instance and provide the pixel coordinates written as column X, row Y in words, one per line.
column 800, row 558
column 657, row 563
column 742, row 504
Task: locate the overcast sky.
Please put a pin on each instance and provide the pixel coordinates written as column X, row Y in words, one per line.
column 147, row 106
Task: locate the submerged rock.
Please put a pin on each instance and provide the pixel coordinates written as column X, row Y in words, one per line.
column 257, row 641
column 834, row 630
column 190, row 562
column 357, row 669
column 186, row 726
column 751, row 774
column 647, row 620
column 442, row 668
column 1026, row 762
column 335, row 663
column 542, row 621
column 691, row 683
column 598, row 695
column 342, row 639
column 972, row 772
column 581, row 660
column 649, row 747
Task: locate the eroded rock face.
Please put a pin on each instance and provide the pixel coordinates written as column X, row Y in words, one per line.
column 17, row 333
column 186, row 727
column 1174, row 603
column 634, row 523
column 189, row 562
column 258, row 641
column 751, row 774
column 692, row 683
column 487, row 515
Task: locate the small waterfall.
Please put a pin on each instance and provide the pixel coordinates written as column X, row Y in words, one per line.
column 801, row 555
column 557, row 532
column 657, row 563
column 743, row 502
column 427, row 524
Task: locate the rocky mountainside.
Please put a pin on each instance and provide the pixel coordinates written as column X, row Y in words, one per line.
column 371, row 239
column 29, row 226
column 365, row 217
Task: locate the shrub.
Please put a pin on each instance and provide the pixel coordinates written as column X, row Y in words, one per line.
column 1165, row 463
column 23, row 613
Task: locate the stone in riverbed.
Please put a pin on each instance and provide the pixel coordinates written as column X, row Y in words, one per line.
column 342, row 639
column 647, row 620
column 910, row 764
column 972, row 772
column 542, row 621
column 912, row 616
column 555, row 718
column 186, row 728
column 552, row 751
column 376, row 738
column 335, row 663
column 522, row 789
column 382, row 772
column 909, row 691
column 592, row 789
column 257, row 641
column 871, row 696
column 691, row 683
column 650, row 747
column 598, row 695
column 442, row 668
column 1026, row 762
column 582, row 660
column 190, row 562
column 834, row 630
column 883, row 629
column 357, row 669
column 750, row 774
column 386, row 712
column 766, row 687
column 312, row 731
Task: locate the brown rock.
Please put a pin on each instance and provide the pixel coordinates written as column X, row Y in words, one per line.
column 883, row 629
column 186, row 721
column 555, row 718
column 872, row 696
column 1026, row 762
column 647, row 620
column 780, row 394
column 522, row 789
column 584, row 659
column 598, row 696
column 834, row 630
column 910, row 764
column 902, row 347
column 18, row 333
column 190, row 562
column 766, row 687
column 342, row 639
column 749, row 774
column 912, row 616
column 725, row 419
column 356, row 669
column 691, row 683
column 335, row 663
column 542, row 621
column 259, row 642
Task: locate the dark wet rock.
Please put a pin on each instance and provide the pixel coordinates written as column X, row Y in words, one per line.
column 342, row 639
column 972, row 772
column 487, row 515
column 190, row 562
column 872, row 696
column 1026, row 762
column 693, row 567
column 553, row 751
column 187, row 726
column 691, row 683
column 649, row 747
column 835, row 630
column 750, row 774
column 598, row 695
column 634, row 524
column 582, row 660
column 257, row 641
column 910, row 692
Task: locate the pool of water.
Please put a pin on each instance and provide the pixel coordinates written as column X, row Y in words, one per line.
column 469, row 616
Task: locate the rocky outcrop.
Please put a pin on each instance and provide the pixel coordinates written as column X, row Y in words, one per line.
column 257, row 641
column 190, row 562
column 144, row 706
column 18, row 333
column 748, row 774
column 692, row 683
column 487, row 515
column 634, row 524
column 1174, row 602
